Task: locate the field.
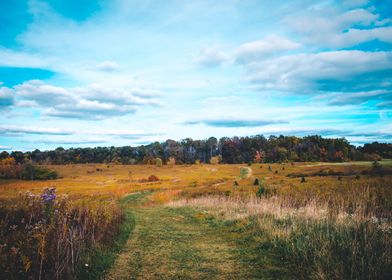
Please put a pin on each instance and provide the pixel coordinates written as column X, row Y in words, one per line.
column 298, row 220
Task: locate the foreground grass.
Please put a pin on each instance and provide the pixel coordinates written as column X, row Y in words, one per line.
column 312, row 241
column 97, row 261
column 182, row 243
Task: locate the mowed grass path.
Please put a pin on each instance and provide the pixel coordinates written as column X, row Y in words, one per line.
column 179, row 243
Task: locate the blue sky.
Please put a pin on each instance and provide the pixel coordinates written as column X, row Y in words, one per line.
column 101, row 73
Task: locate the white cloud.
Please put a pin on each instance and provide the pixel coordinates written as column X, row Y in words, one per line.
column 108, row 66
column 304, row 71
column 352, row 98
column 211, row 57
column 251, row 51
column 247, row 52
column 340, row 29
column 91, row 102
column 12, row 129
column 6, row 97
column 13, row 58
column 5, row 148
column 234, row 122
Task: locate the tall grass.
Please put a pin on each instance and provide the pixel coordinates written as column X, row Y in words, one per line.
column 44, row 236
column 343, row 236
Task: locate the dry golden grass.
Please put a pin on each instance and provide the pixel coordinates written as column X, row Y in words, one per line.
column 101, row 180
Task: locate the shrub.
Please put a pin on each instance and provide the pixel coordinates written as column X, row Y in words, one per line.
column 10, row 170
column 245, row 172
column 158, row 162
column 215, row 160
column 235, row 184
column 261, row 191
column 31, row 172
column 153, row 178
column 256, row 182
column 303, row 179
column 377, row 169
column 171, row 161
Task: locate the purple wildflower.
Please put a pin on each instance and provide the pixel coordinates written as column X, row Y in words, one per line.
column 49, row 195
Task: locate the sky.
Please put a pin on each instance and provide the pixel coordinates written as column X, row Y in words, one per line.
column 123, row 72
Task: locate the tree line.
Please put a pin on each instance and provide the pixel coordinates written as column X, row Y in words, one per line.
column 250, row 149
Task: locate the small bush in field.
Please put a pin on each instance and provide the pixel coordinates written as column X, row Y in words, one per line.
column 171, row 162
column 245, row 172
column 31, row 172
column 235, row 184
column 9, row 169
column 256, row 182
column 215, row 160
column 158, row 162
column 261, row 191
column 153, row 178
column 264, row 191
column 303, row 179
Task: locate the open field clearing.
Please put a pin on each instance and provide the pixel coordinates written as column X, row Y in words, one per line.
column 264, row 221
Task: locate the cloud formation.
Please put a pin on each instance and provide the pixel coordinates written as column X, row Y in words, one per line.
column 93, row 102
column 12, row 129
column 234, row 122
column 331, row 28
column 308, row 72
column 6, row 97
column 258, row 50
column 108, row 66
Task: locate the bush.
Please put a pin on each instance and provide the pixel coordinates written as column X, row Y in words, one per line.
column 215, row 160
column 31, row 172
column 153, row 178
column 158, row 162
column 377, row 169
column 245, row 172
column 171, row 161
column 9, row 169
column 256, row 182
column 261, row 191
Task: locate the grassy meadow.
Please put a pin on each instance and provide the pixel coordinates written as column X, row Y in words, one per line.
column 200, row 221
